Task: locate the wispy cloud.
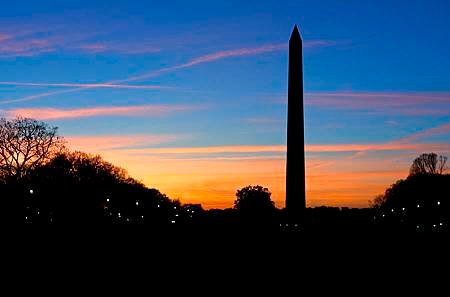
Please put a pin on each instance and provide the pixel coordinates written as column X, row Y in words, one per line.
column 92, row 47
column 41, row 95
column 281, row 149
column 195, row 61
column 399, row 103
column 28, row 42
column 130, row 111
column 117, row 48
column 33, row 42
column 239, row 52
column 319, row 43
column 11, row 47
column 217, row 149
column 102, row 143
column 264, row 121
column 234, row 53
column 207, row 59
column 4, row 37
column 439, row 130
column 113, row 86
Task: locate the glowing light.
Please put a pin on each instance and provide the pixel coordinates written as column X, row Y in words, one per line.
column 31, row 192
column 403, row 208
column 142, row 216
column 439, row 203
column 174, row 207
column 176, row 215
column 418, row 205
column 118, row 214
column 441, row 224
column 107, row 199
column 137, row 203
column 173, row 222
column 392, row 210
column 434, row 226
column 158, row 205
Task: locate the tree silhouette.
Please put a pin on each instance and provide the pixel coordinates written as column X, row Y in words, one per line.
column 254, row 201
column 26, row 144
column 78, row 188
column 429, row 163
column 419, row 202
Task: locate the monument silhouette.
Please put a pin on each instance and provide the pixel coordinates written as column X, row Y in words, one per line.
column 295, row 159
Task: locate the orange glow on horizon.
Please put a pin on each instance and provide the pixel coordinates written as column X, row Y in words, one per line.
column 198, row 175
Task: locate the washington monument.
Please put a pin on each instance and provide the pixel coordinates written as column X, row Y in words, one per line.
column 295, row 159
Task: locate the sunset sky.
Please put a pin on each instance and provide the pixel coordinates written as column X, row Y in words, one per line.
column 190, row 96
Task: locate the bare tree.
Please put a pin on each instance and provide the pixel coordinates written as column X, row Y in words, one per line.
column 428, row 164
column 25, row 144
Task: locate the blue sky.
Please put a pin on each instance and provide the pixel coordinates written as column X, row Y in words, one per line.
column 214, row 73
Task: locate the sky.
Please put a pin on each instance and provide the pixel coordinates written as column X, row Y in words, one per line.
column 190, row 96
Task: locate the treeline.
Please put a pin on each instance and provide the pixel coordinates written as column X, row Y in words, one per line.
column 42, row 182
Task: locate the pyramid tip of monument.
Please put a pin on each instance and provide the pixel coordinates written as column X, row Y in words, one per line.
column 295, row 32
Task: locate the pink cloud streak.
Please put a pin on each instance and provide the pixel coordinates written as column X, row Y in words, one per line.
column 326, row 148
column 442, row 129
column 135, row 111
column 113, row 86
column 10, row 47
column 99, row 143
column 234, row 53
column 33, row 42
column 402, row 103
column 199, row 60
column 4, row 37
column 133, row 49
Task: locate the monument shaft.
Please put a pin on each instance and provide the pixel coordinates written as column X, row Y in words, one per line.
column 295, row 159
